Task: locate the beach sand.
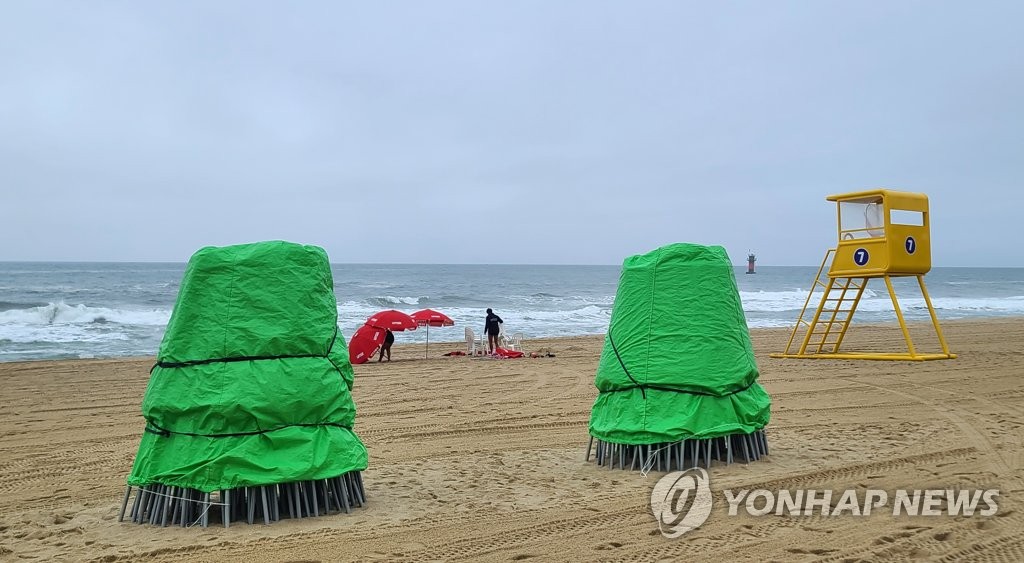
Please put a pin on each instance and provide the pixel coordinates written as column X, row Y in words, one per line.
column 483, row 459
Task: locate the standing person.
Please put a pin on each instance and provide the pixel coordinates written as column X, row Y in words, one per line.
column 492, row 328
column 389, row 339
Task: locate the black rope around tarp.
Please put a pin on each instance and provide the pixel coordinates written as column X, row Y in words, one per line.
column 643, row 387
column 190, row 363
column 154, row 428
column 636, row 384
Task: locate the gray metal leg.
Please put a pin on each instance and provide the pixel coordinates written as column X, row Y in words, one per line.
column 206, row 510
column 250, row 504
column 135, row 504
column 141, row 513
column 167, row 505
column 154, row 504
column 275, row 507
column 343, row 491
column 266, row 512
column 225, row 498
column 362, row 490
column 294, row 490
column 124, row 503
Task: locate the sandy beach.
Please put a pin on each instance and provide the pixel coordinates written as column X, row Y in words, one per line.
column 477, row 459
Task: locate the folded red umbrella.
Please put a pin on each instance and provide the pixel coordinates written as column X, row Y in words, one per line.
column 506, row 353
column 366, row 340
column 392, row 320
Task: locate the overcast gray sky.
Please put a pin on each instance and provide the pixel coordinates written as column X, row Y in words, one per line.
column 573, row 132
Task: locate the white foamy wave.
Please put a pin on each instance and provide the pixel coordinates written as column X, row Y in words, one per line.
column 769, row 323
column 354, row 311
column 1003, row 306
column 61, row 313
column 872, row 301
column 60, row 334
column 588, row 312
column 783, row 300
column 392, row 300
column 986, row 282
column 764, row 309
column 532, row 323
column 549, row 300
column 774, row 300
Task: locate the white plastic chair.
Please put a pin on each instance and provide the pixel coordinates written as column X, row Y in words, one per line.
column 511, row 341
column 475, row 346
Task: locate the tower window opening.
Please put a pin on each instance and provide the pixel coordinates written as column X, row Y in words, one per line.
column 905, row 217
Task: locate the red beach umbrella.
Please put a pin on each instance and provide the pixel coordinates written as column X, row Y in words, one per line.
column 392, row 320
column 366, row 340
column 429, row 318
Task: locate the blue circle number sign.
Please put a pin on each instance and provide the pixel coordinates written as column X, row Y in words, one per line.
column 860, row 256
column 910, row 244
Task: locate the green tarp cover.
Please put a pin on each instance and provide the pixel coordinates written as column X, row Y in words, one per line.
column 275, row 404
column 680, row 333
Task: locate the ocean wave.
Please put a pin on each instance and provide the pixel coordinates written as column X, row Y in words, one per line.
column 775, row 300
column 62, row 313
column 789, row 300
column 46, row 314
column 986, row 282
column 547, row 301
column 388, row 300
column 1004, row 306
column 769, row 323
column 877, row 301
column 590, row 311
column 589, row 319
column 76, row 334
column 13, row 305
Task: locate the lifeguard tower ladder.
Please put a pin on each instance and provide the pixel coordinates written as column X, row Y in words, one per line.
column 882, row 234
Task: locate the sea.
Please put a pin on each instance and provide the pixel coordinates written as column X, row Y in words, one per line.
column 65, row 310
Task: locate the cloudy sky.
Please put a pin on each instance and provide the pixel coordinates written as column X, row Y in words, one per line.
column 573, row 132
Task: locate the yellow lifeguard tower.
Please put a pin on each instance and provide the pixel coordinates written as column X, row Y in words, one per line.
column 882, row 234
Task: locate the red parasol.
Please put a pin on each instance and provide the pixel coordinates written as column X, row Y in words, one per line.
column 366, row 340
column 392, row 320
column 430, row 318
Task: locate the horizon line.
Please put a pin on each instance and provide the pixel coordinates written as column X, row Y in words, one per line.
column 740, row 265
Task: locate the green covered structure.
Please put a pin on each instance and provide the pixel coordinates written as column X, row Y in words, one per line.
column 677, row 380
column 249, row 411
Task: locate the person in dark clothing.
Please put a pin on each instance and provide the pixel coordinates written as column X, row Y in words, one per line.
column 492, row 328
column 389, row 339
